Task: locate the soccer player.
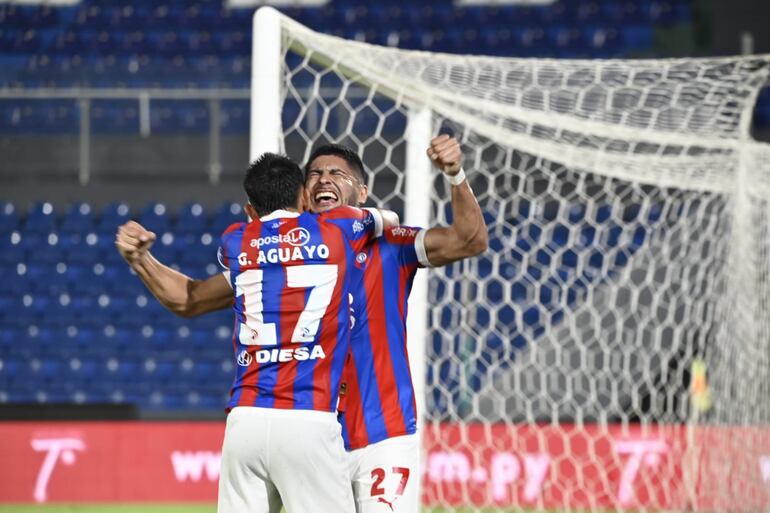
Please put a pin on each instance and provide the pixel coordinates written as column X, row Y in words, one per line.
column 379, row 418
column 378, row 403
column 290, row 273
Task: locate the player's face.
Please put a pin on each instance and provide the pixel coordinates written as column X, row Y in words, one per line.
column 331, row 182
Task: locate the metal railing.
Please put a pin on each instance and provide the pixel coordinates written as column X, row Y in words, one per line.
column 84, row 97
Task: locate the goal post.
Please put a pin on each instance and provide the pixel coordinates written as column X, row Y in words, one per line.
column 266, row 133
column 611, row 349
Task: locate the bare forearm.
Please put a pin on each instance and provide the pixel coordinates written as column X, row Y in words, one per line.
column 465, row 237
column 170, row 287
column 467, row 219
column 178, row 292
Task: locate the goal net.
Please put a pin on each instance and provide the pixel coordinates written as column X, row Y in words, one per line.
column 611, row 349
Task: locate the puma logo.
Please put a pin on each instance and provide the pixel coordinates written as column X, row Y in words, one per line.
column 390, row 504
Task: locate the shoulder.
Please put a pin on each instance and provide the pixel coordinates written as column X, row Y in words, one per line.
column 233, row 228
column 342, row 212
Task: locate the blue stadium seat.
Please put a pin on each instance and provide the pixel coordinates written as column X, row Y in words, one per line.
column 211, row 400
column 41, row 117
column 87, row 248
column 637, row 37
column 166, row 247
column 180, row 116
column 45, row 370
column 84, row 371
column 122, row 369
column 155, row 218
column 78, row 219
column 192, row 219
column 159, row 369
column 48, row 250
column 13, row 251
column 225, row 215
column 12, row 371
column 204, row 44
column 112, row 217
column 235, row 114
column 201, row 251
column 113, row 341
column 9, row 218
column 115, row 116
column 119, row 279
column 40, row 219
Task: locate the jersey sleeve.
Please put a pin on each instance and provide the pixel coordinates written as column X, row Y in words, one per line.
column 224, row 255
column 360, row 226
column 410, row 242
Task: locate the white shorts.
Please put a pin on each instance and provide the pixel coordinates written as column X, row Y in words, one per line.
column 294, row 458
column 386, row 475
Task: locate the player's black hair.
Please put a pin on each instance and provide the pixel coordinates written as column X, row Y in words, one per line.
column 343, row 152
column 273, row 182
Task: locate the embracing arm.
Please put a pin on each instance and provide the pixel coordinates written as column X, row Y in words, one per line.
column 467, row 235
column 176, row 291
column 389, row 219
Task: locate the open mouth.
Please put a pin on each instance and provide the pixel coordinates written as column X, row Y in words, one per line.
column 325, row 199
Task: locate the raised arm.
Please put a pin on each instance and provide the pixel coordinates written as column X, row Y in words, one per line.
column 467, row 235
column 176, row 291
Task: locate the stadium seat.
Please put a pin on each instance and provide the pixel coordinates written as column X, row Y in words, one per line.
column 225, row 215
column 192, row 219
column 199, row 252
column 86, row 248
column 154, row 217
column 78, row 219
column 637, row 37
column 115, row 116
column 40, row 219
column 112, row 217
column 204, row 44
column 13, row 252
column 9, row 218
column 48, row 251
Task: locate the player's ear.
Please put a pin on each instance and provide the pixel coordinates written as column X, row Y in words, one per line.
column 302, row 199
column 363, row 195
column 251, row 213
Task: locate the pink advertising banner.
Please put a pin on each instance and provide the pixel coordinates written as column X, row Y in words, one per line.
column 551, row 466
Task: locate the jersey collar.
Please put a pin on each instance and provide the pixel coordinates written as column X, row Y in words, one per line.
column 278, row 214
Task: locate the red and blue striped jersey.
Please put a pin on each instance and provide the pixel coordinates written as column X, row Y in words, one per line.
column 291, row 277
column 378, row 401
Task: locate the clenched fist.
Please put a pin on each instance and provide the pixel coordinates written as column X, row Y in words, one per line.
column 445, row 153
column 133, row 241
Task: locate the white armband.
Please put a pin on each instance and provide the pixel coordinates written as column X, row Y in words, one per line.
column 456, row 179
column 419, row 248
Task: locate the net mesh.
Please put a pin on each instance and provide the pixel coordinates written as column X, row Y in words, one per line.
column 611, row 349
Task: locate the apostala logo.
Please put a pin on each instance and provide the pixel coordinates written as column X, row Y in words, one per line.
column 244, row 358
column 298, row 236
column 295, row 237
